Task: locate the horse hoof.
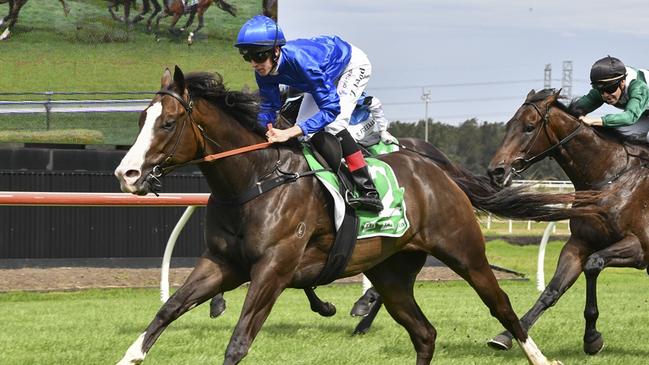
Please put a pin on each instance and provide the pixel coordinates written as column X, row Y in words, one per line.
column 594, row 347
column 217, row 306
column 500, row 342
column 364, row 304
column 327, row 310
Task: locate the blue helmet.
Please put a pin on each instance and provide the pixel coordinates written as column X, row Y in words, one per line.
column 260, row 31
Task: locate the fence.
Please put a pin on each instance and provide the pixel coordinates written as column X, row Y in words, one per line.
column 191, row 201
column 50, row 105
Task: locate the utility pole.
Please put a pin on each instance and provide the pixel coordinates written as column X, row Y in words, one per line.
column 566, row 79
column 425, row 96
column 547, row 76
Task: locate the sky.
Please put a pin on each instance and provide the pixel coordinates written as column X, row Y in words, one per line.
column 476, row 58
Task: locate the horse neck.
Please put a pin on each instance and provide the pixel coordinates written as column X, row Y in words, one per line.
column 588, row 159
column 231, row 175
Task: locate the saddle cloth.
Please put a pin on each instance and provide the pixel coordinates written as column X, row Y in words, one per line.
column 391, row 221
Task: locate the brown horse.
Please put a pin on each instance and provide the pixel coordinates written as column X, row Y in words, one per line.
column 12, row 16
column 281, row 239
column 178, row 8
column 593, row 159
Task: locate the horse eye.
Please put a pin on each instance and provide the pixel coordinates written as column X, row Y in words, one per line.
column 168, row 125
column 529, row 128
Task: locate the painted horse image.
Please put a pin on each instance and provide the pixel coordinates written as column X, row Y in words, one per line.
column 594, row 159
column 281, row 238
column 14, row 9
column 177, row 8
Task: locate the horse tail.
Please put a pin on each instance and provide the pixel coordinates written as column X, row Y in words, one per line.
column 228, row 8
column 511, row 202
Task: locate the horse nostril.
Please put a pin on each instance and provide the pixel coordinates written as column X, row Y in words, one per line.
column 132, row 174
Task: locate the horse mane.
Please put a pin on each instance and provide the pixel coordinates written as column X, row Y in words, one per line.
column 573, row 110
column 242, row 106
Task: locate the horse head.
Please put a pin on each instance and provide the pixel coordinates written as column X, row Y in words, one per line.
column 168, row 136
column 539, row 127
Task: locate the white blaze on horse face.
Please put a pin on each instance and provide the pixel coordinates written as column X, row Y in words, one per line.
column 135, row 157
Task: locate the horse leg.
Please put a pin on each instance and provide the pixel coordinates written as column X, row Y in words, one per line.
column 268, row 280
column 624, row 253
column 66, row 8
column 172, row 26
column 112, row 5
column 190, row 20
column 364, row 324
column 156, row 10
column 146, row 7
column 210, row 276
column 190, row 38
column 568, row 269
column 157, row 23
column 394, row 279
column 324, row 309
column 12, row 18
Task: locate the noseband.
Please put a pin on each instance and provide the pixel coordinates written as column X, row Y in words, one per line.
column 523, row 162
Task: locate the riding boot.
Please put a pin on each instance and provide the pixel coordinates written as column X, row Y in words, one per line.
column 368, row 198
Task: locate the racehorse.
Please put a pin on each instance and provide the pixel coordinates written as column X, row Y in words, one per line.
column 146, row 7
column 12, row 16
column 177, row 8
column 269, row 9
column 593, row 159
column 280, row 239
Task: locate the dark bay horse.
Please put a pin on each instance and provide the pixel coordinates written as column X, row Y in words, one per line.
column 281, row 239
column 593, row 159
column 12, row 16
column 152, row 6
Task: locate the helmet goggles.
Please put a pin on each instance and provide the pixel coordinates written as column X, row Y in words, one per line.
column 257, row 54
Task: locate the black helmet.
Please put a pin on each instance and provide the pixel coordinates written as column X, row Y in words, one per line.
column 608, row 70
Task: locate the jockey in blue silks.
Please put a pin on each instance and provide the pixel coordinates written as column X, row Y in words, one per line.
column 331, row 72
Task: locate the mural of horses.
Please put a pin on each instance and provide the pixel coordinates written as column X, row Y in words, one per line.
column 177, row 8
column 593, row 159
column 14, row 9
column 281, row 239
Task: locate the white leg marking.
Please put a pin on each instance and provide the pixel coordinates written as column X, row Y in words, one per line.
column 532, row 352
column 134, row 354
column 134, row 159
column 5, row 34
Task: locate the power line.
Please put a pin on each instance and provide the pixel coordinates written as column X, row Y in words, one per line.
column 443, row 101
column 463, row 84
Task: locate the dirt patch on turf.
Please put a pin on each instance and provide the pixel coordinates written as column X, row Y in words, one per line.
column 77, row 278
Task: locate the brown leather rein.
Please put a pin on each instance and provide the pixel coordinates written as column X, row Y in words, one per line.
column 161, row 170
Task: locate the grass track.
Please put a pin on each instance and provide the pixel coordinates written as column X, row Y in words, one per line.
column 96, row 326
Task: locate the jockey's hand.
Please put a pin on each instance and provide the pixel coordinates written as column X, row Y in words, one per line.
column 592, row 121
column 387, row 138
column 282, row 135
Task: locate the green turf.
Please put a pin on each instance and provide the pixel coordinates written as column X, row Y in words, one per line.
column 97, row 326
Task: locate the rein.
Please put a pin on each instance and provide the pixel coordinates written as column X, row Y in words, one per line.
column 524, row 163
column 266, row 184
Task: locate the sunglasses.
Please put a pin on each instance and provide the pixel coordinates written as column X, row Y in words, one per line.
column 607, row 88
column 258, row 57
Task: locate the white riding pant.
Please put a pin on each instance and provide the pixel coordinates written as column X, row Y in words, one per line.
column 349, row 87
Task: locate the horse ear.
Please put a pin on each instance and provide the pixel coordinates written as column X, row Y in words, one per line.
column 529, row 95
column 166, row 79
column 179, row 78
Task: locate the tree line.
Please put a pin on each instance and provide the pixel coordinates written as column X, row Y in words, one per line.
column 472, row 144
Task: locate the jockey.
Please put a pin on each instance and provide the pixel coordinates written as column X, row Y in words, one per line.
column 331, row 72
column 368, row 124
column 623, row 87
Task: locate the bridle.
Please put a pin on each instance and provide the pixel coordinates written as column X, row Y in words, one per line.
column 523, row 162
column 166, row 166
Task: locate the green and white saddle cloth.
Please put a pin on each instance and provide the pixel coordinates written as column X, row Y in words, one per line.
column 391, row 221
